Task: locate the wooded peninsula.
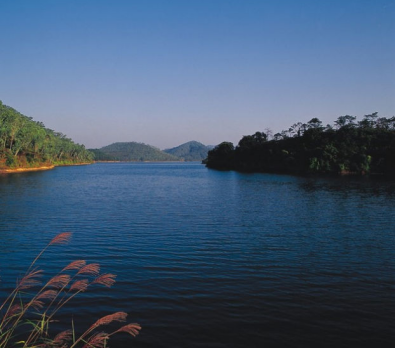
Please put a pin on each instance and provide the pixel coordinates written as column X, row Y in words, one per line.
column 347, row 147
column 27, row 144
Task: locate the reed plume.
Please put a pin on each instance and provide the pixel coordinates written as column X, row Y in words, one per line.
column 75, row 265
column 131, row 329
column 59, row 281
column 98, row 340
column 38, row 301
column 107, row 280
column 33, row 305
column 118, row 316
column 61, row 238
column 30, row 280
column 62, row 338
column 79, row 285
column 90, row 269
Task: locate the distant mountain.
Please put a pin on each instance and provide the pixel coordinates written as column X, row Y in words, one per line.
column 132, row 151
column 190, row 151
column 102, row 156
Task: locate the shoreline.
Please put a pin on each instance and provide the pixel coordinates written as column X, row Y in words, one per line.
column 75, row 164
column 22, row 170
column 35, row 169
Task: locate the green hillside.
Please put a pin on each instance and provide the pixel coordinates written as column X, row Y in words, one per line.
column 190, row 151
column 102, row 156
column 132, row 151
column 26, row 143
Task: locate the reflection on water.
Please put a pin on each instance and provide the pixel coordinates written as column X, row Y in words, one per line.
column 215, row 259
column 364, row 186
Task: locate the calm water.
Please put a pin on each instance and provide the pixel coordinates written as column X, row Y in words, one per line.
column 214, row 259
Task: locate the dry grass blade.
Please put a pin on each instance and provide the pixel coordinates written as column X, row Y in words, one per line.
column 131, row 329
column 79, row 285
column 61, row 238
column 107, row 279
column 98, row 340
column 118, row 316
column 90, row 269
column 75, row 265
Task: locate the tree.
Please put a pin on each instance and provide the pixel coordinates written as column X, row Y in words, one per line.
column 221, row 156
column 314, row 123
column 297, row 129
column 369, row 121
column 250, row 141
column 350, row 147
column 23, row 139
column 345, row 121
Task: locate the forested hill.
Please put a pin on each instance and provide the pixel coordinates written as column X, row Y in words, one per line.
column 132, row 151
column 349, row 146
column 27, row 143
column 190, row 151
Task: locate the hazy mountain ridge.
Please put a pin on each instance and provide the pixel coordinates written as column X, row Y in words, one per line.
column 190, row 151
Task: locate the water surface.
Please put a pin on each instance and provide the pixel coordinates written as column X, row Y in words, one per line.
column 214, row 259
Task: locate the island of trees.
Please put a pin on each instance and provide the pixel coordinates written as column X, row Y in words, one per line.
column 347, row 146
column 25, row 143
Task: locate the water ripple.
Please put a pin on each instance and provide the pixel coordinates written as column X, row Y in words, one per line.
column 214, row 259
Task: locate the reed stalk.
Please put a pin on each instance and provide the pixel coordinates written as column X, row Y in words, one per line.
column 28, row 311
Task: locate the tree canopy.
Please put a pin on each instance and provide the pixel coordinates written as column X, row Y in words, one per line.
column 27, row 143
column 367, row 146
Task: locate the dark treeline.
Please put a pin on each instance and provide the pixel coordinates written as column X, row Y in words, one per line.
column 27, row 143
column 349, row 146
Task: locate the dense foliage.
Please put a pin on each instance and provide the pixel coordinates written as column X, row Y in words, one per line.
column 132, row 151
column 349, row 146
column 102, row 156
column 27, row 143
column 190, row 151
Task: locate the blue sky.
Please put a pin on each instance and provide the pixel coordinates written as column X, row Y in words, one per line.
column 164, row 72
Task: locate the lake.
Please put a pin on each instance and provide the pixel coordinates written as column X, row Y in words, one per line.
column 213, row 259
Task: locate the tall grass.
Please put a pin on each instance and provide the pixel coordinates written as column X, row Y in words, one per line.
column 29, row 310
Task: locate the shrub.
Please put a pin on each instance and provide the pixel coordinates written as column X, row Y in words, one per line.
column 10, row 159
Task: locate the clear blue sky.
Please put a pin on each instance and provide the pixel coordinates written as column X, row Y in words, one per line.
column 164, row 72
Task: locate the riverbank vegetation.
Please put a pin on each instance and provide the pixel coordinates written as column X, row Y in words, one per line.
column 25, row 143
column 28, row 314
column 347, row 146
